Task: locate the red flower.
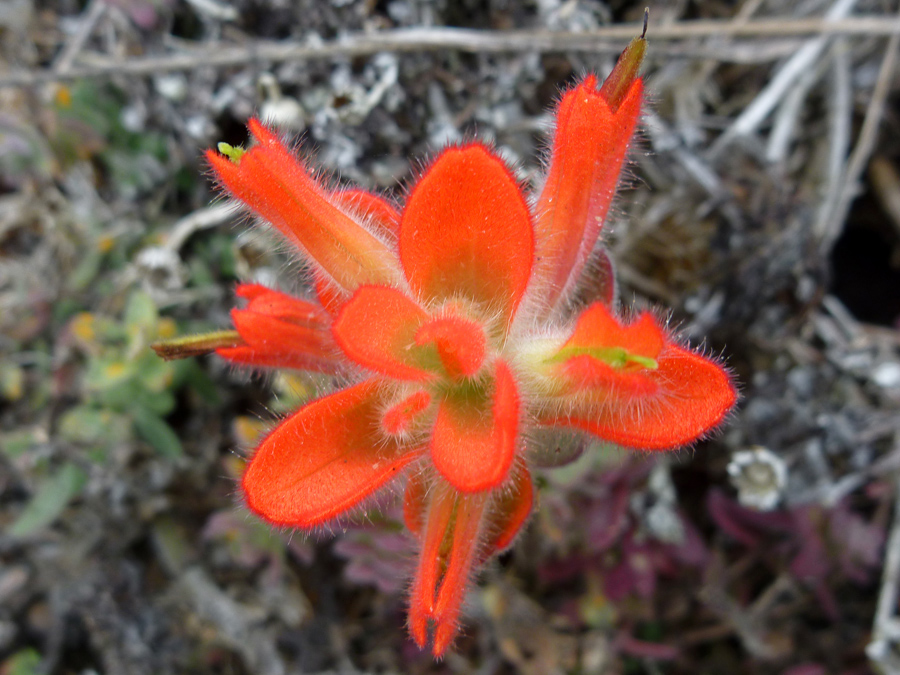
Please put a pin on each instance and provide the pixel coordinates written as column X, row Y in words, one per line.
column 450, row 319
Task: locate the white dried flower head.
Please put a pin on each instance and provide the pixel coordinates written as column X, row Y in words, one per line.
column 759, row 475
column 160, row 269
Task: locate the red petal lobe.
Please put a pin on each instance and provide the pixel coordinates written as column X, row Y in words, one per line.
column 431, row 561
column 323, row 460
column 400, row 417
column 281, row 331
column 460, row 344
column 377, row 329
column 475, row 436
column 466, row 536
column 509, row 512
column 467, row 230
column 598, row 328
column 694, row 395
column 377, row 210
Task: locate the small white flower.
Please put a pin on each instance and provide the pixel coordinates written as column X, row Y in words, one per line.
column 759, row 475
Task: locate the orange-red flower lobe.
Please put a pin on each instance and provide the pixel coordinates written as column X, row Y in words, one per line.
column 401, row 416
column 694, row 394
column 377, row 330
column 272, row 182
column 466, row 231
column 281, row 331
column 509, row 513
column 476, row 431
column 460, row 344
column 452, row 531
column 642, row 391
column 322, row 460
column 588, row 150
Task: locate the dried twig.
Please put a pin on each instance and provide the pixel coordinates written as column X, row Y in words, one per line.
column 786, row 77
column 841, row 109
column 73, row 47
column 886, row 629
column 886, row 185
column 829, row 227
column 788, row 114
column 609, row 39
column 202, row 219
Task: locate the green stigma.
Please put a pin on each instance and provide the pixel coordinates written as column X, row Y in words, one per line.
column 617, row 357
column 231, row 152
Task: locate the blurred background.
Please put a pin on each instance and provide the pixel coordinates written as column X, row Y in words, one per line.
column 761, row 209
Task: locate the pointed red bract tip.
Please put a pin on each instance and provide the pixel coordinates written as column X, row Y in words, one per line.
column 460, row 344
column 466, row 537
column 596, row 327
column 444, row 635
column 275, row 185
column 453, row 531
column 475, row 434
column 589, row 148
column 432, row 559
column 509, row 512
column 377, row 210
column 467, row 231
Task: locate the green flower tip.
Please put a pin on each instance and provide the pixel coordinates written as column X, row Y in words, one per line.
column 617, row 357
column 231, row 152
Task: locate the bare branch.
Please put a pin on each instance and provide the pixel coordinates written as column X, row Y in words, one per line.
column 828, row 229
column 785, row 79
column 609, row 39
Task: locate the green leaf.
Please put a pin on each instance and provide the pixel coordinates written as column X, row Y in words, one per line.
column 160, row 403
column 94, row 426
column 154, row 429
column 17, row 443
column 86, row 271
column 140, row 313
column 189, row 372
column 23, row 662
column 106, row 373
column 152, row 372
column 52, row 496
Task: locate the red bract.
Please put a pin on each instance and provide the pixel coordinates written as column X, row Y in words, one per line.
column 447, row 320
